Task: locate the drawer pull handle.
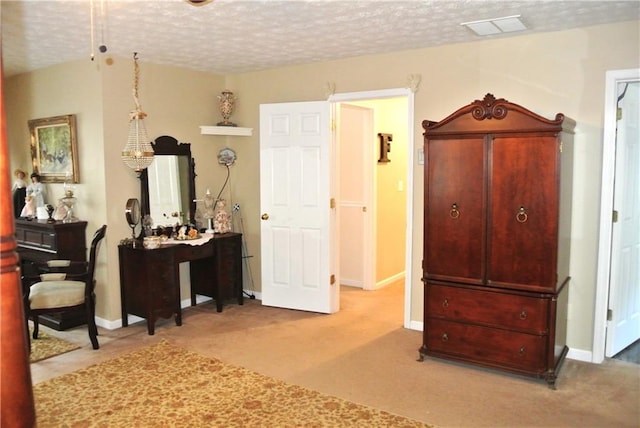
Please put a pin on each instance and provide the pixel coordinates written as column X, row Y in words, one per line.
column 522, row 215
column 522, row 350
column 523, row 315
column 445, row 337
column 454, row 212
column 445, row 303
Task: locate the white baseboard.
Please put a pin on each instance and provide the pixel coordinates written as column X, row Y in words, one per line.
column 132, row 319
column 580, row 355
column 351, row 283
column 416, row 325
column 390, row 280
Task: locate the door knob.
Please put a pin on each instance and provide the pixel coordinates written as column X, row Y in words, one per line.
column 265, row 216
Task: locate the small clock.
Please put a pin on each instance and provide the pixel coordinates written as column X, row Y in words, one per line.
column 226, row 157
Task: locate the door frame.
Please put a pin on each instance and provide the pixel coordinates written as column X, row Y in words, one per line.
column 613, row 77
column 396, row 93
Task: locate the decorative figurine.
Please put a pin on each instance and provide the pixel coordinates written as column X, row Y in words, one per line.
column 50, row 210
column 222, row 219
column 35, row 197
column 19, row 190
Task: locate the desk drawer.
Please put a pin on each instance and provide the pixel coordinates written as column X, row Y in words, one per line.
column 186, row 252
column 492, row 308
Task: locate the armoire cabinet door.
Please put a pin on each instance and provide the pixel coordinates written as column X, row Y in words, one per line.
column 454, row 218
column 523, row 218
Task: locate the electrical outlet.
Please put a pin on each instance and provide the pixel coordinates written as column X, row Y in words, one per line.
column 421, row 156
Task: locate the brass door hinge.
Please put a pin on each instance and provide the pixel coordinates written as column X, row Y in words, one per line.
column 332, row 280
column 615, row 216
column 332, row 203
column 619, row 113
column 609, row 314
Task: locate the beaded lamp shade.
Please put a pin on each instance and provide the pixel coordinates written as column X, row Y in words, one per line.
column 138, row 153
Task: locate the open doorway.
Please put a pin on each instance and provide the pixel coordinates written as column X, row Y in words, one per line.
column 375, row 146
column 297, row 180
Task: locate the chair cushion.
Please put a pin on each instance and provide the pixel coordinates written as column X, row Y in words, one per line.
column 59, row 263
column 56, row 294
column 53, row 276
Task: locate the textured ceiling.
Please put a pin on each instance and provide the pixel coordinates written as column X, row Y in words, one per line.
column 235, row 36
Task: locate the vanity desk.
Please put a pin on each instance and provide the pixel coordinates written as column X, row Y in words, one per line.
column 150, row 278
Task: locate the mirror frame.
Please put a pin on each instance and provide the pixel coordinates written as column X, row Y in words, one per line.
column 167, row 145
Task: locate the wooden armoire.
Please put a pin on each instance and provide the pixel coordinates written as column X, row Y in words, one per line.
column 497, row 224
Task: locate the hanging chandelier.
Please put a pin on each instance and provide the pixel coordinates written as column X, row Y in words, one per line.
column 138, row 153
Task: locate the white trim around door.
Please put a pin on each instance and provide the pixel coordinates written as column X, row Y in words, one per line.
column 604, row 246
column 392, row 93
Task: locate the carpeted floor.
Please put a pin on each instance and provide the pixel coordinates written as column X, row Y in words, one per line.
column 165, row 385
column 363, row 354
column 46, row 346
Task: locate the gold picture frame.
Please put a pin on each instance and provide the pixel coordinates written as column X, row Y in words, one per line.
column 54, row 149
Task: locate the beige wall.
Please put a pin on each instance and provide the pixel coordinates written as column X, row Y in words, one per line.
column 548, row 73
column 177, row 101
column 391, row 118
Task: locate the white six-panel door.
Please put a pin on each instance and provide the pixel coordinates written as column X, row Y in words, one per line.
column 624, row 293
column 355, row 158
column 296, row 215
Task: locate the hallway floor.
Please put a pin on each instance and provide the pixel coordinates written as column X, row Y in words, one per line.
column 630, row 354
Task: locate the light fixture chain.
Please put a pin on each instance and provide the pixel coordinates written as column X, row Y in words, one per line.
column 136, row 78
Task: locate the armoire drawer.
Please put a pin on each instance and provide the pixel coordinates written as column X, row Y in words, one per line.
column 480, row 344
column 511, row 311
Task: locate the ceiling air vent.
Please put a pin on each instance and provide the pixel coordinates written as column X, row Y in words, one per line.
column 487, row 27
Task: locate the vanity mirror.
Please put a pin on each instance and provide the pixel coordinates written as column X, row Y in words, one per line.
column 132, row 212
column 168, row 185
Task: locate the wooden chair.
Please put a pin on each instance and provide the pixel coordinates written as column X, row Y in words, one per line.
column 64, row 285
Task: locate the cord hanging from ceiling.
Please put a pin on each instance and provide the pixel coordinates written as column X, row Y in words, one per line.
column 92, row 23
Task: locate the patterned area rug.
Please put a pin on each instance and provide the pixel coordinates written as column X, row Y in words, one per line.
column 164, row 385
column 46, row 346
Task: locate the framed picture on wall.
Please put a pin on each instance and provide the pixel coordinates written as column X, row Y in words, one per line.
column 54, row 151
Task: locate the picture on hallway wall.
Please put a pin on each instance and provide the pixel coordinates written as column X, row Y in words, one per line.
column 54, row 152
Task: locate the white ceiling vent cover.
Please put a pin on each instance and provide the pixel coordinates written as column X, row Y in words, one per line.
column 487, row 27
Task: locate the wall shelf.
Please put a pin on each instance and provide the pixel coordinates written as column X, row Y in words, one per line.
column 226, row 130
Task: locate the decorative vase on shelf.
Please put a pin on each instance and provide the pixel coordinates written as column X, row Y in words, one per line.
column 227, row 102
